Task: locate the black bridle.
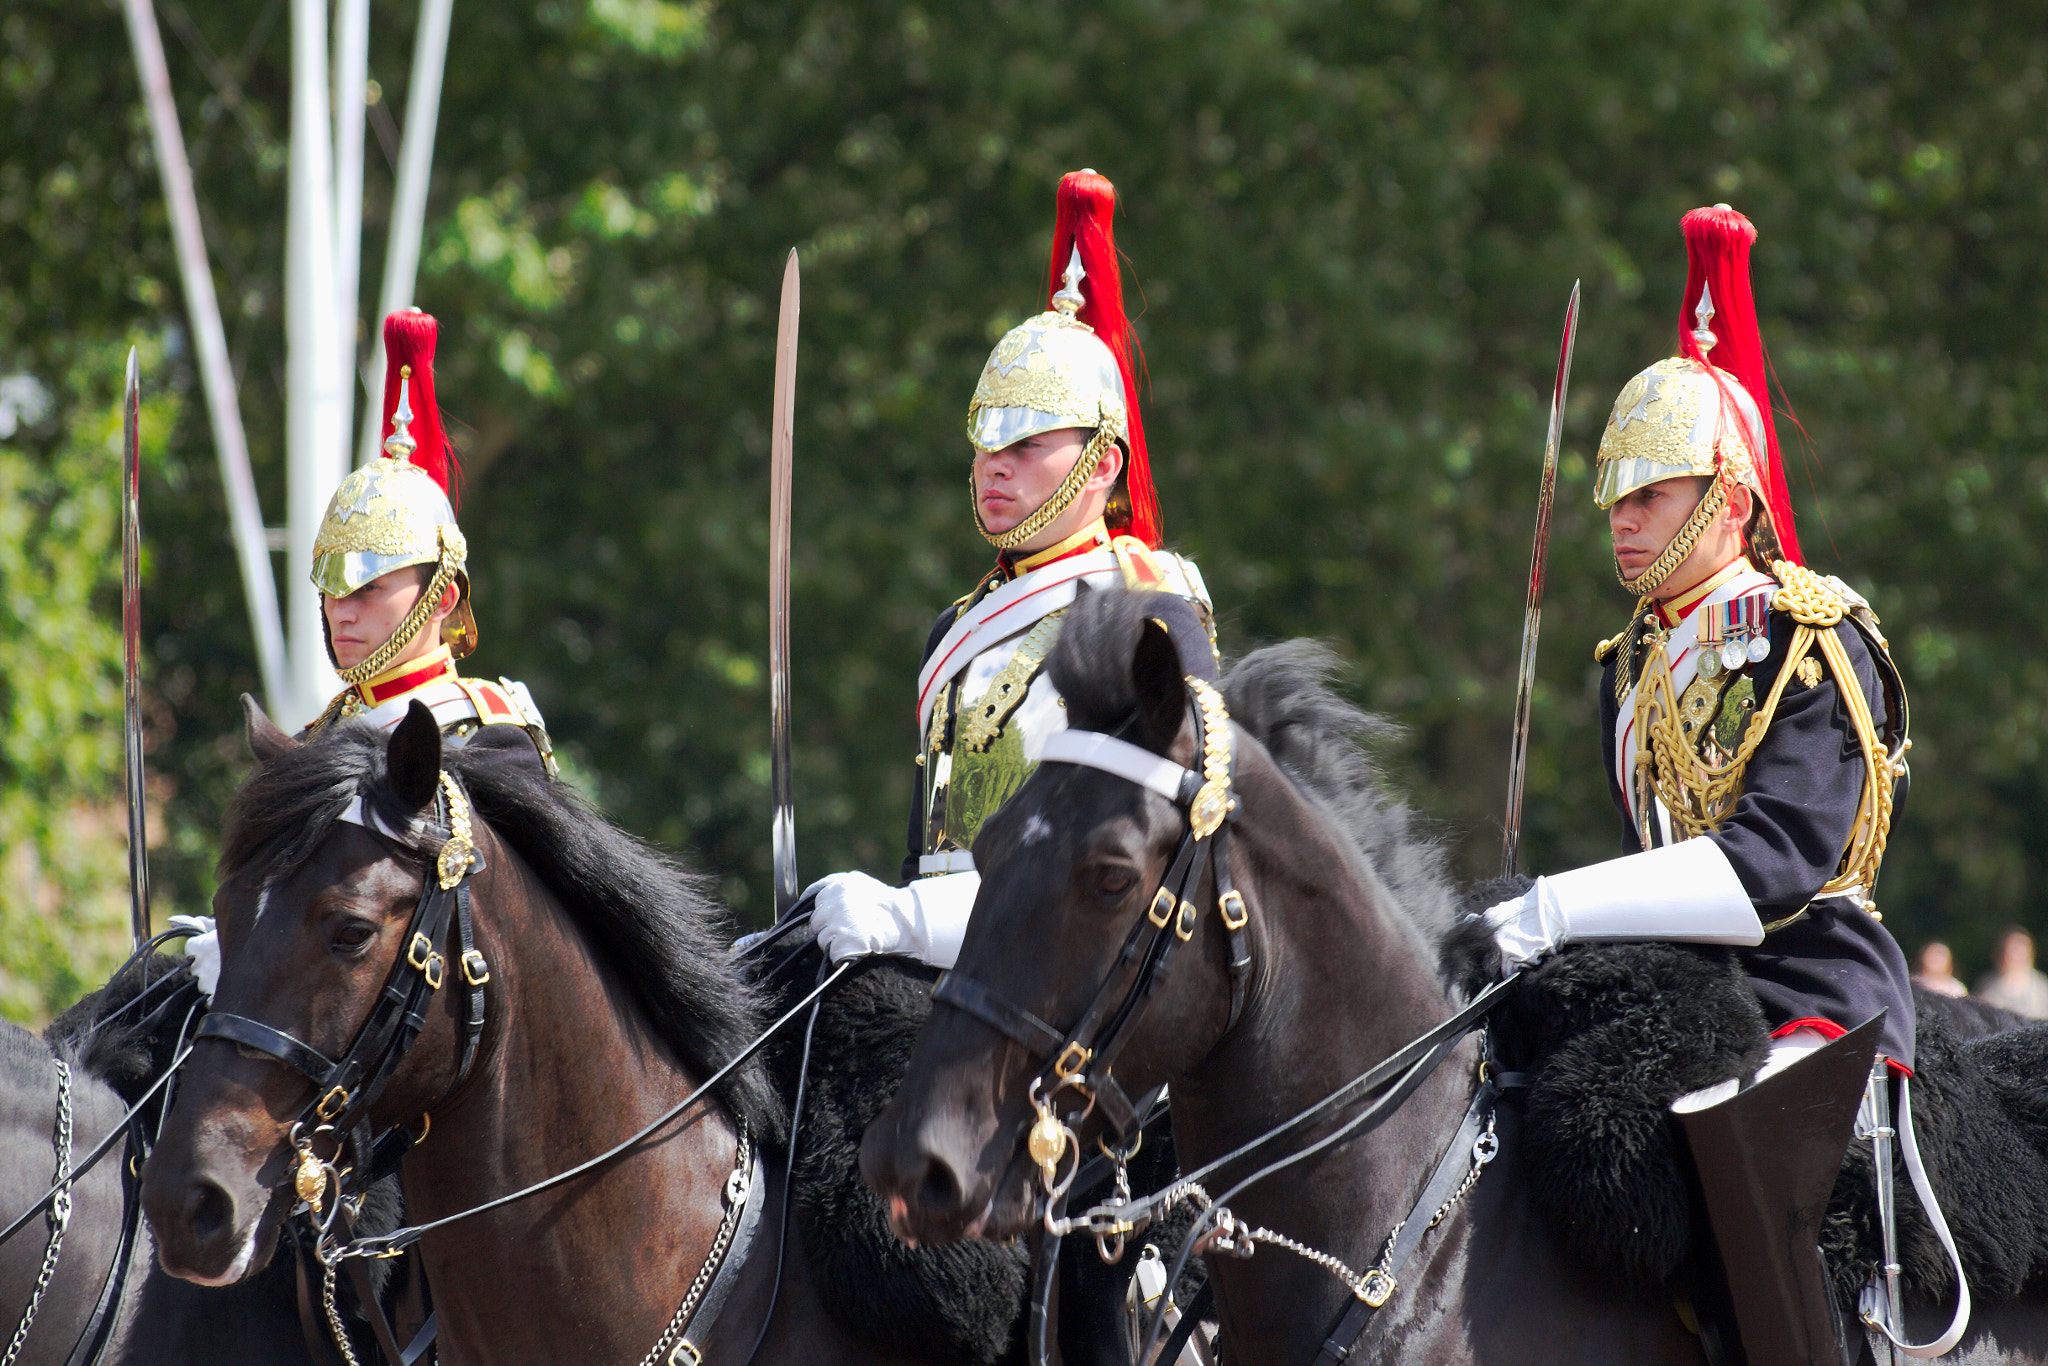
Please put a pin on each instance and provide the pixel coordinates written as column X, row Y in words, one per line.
column 346, row 1087
column 1083, row 1056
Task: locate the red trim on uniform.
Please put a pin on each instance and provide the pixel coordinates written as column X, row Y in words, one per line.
column 496, row 700
column 1831, row 1031
column 379, row 693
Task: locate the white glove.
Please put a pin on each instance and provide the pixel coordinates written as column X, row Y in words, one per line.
column 203, row 949
column 857, row 914
column 1686, row 891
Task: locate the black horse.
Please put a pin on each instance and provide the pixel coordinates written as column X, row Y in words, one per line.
column 105, row 1301
column 1344, row 918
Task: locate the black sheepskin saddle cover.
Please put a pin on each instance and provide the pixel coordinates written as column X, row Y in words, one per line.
column 958, row 1305
column 1612, row 1034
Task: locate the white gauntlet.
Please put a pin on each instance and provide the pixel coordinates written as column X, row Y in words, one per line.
column 203, row 949
column 857, row 914
column 1685, row 891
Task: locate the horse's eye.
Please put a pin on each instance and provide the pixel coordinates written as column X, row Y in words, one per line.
column 354, row 934
column 1116, row 882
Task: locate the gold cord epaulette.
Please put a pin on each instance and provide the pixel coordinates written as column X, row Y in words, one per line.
column 1606, row 647
column 1700, row 796
column 1805, row 595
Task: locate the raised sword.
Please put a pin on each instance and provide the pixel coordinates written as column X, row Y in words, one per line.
column 131, row 637
column 781, row 453
column 1532, row 615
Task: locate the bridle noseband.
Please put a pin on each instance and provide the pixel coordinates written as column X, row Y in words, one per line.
column 346, row 1087
column 1082, row 1056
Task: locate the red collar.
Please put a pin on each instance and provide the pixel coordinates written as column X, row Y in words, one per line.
column 1670, row 613
column 411, row 675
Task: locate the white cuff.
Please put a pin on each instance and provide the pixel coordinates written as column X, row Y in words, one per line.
column 1686, row 892
column 203, row 949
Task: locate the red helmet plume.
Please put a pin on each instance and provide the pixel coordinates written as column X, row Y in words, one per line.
column 1087, row 202
column 1717, row 243
column 409, row 342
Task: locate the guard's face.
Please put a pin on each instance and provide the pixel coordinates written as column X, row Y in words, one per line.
column 365, row 619
column 1643, row 522
column 1012, row 483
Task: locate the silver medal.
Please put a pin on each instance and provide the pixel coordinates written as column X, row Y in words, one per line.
column 1710, row 663
column 1759, row 649
column 1733, row 655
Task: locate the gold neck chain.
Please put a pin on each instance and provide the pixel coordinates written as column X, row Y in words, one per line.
column 1049, row 511
column 1646, row 583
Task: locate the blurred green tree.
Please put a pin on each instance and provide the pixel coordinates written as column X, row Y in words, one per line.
column 1350, row 227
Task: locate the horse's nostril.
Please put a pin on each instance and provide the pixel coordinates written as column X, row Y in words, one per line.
column 210, row 1212
column 938, row 1190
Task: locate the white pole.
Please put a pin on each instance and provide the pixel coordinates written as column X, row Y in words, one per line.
column 351, row 77
column 315, row 450
column 209, row 342
column 409, row 200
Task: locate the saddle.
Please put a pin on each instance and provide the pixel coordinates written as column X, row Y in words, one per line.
column 1610, row 1035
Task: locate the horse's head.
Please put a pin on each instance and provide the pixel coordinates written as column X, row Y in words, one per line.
column 1060, row 1003
column 329, row 851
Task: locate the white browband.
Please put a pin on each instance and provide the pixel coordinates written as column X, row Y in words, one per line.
column 1092, row 749
column 357, row 813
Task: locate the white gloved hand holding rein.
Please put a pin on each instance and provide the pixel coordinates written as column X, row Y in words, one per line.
column 857, row 914
column 1683, row 892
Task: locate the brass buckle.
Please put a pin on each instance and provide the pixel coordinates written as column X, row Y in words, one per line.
column 332, row 1104
column 1161, row 911
column 685, row 1353
column 1376, row 1287
column 420, row 954
column 1229, row 901
column 1071, row 1060
column 475, row 970
column 1184, row 928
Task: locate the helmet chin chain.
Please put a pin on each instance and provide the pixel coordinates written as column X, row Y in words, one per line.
column 1049, row 511
column 1711, row 504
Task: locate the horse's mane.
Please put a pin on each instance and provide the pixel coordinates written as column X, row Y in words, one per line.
column 1282, row 696
column 649, row 919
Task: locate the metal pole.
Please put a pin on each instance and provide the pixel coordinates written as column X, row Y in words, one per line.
column 316, row 454
column 409, row 199
column 351, row 78
column 209, row 343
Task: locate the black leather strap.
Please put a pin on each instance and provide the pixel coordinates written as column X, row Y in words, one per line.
column 92, row 1339
column 1012, row 1021
column 1451, row 1168
column 240, row 1029
column 1190, row 1319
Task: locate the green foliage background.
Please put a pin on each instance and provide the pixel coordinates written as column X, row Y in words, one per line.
column 1350, row 227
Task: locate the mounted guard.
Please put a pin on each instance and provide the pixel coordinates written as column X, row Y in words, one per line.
column 392, row 569
column 1754, row 738
column 1062, row 488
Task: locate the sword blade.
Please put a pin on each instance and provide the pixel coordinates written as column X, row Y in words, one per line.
column 131, row 637
column 1532, row 616
column 782, row 440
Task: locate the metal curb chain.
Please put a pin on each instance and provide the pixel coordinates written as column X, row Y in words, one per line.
column 60, row 1213
column 737, row 1193
column 1376, row 1286
column 334, row 1325
column 1380, row 1280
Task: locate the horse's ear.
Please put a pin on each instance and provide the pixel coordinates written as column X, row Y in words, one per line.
column 1162, row 695
column 414, row 759
column 266, row 741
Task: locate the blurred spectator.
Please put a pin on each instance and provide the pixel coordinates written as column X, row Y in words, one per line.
column 1938, row 970
column 2017, row 985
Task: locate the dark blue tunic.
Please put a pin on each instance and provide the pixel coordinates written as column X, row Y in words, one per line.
column 1785, row 840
